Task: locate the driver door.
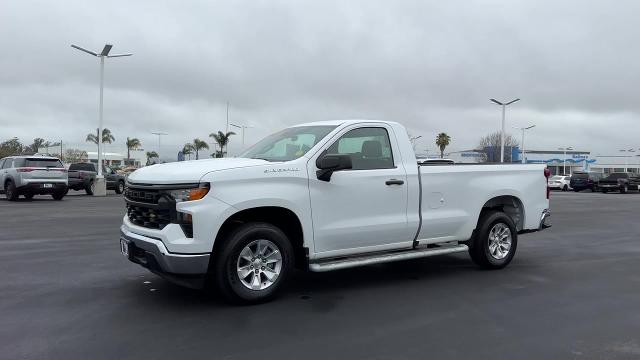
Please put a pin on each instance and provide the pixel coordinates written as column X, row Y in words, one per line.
column 364, row 208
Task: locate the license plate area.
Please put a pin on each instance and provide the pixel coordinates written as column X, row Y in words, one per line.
column 47, row 186
column 124, row 247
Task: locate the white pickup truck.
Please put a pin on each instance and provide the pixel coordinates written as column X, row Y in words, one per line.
column 322, row 196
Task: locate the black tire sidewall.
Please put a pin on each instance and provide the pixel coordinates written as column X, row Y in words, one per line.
column 11, row 192
column 120, row 187
column 481, row 242
column 227, row 279
column 89, row 189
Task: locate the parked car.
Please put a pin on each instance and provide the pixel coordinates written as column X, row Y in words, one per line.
column 621, row 181
column 559, row 182
column 32, row 175
column 322, row 196
column 585, row 181
column 82, row 177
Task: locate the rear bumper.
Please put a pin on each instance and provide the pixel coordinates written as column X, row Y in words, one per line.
column 544, row 223
column 544, row 220
column 39, row 187
column 183, row 269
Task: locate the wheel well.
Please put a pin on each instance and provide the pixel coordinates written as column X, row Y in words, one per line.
column 284, row 219
column 510, row 205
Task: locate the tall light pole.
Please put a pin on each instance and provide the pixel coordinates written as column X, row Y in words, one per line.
column 626, row 158
column 227, row 117
column 160, row 134
column 564, row 167
column 241, row 127
column 504, row 105
column 100, row 186
column 522, row 143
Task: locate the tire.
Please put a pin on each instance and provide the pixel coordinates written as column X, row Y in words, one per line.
column 233, row 256
column 89, row 189
column 604, row 191
column 480, row 247
column 10, row 191
column 624, row 189
column 58, row 195
column 120, row 187
column 565, row 188
column 29, row 196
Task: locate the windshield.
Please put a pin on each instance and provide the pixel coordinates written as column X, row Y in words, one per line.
column 616, row 176
column 288, row 144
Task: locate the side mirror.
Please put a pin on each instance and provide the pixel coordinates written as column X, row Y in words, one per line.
column 328, row 163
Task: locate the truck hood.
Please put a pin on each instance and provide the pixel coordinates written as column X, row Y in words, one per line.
column 188, row 171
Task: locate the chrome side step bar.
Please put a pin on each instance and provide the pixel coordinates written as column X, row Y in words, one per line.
column 380, row 258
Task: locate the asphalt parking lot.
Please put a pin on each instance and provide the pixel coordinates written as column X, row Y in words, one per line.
column 572, row 291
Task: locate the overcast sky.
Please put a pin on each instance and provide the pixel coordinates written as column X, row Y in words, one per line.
column 431, row 65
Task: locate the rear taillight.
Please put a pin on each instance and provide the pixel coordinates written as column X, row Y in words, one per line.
column 547, row 173
column 25, row 169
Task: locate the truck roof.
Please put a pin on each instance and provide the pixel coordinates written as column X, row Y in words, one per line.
column 341, row 122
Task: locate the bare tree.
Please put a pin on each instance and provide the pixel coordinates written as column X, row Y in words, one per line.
column 490, row 147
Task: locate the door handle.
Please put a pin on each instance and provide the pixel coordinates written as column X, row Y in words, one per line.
column 394, row 182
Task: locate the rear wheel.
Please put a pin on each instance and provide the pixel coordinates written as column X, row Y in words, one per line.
column 90, row 188
column 10, row 191
column 565, row 188
column 624, row 189
column 58, row 195
column 495, row 242
column 253, row 263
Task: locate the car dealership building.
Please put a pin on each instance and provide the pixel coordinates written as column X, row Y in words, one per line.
column 561, row 162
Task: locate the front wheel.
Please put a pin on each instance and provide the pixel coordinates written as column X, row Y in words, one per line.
column 253, row 263
column 10, row 191
column 120, row 187
column 495, row 242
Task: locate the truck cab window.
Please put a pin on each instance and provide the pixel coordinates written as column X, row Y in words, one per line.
column 369, row 148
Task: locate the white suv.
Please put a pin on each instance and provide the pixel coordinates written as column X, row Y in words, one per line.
column 32, row 175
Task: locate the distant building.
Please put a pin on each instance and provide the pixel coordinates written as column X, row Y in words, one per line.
column 558, row 163
column 113, row 159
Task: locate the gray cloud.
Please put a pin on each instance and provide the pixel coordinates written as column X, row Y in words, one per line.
column 430, row 65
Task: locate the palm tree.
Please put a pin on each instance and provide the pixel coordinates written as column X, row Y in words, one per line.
column 151, row 155
column 132, row 144
column 107, row 137
column 442, row 141
column 188, row 150
column 222, row 139
column 199, row 145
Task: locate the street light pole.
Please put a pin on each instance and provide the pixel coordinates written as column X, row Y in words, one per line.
column 502, row 135
column 99, row 184
column 522, row 143
column 241, row 127
column 626, row 158
column 412, row 140
column 160, row 134
column 564, row 167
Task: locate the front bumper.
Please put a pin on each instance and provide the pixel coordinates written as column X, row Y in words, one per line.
column 183, row 269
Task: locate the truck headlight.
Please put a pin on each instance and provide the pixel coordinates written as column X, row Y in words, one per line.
column 191, row 194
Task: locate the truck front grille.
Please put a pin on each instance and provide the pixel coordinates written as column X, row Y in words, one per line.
column 148, row 217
